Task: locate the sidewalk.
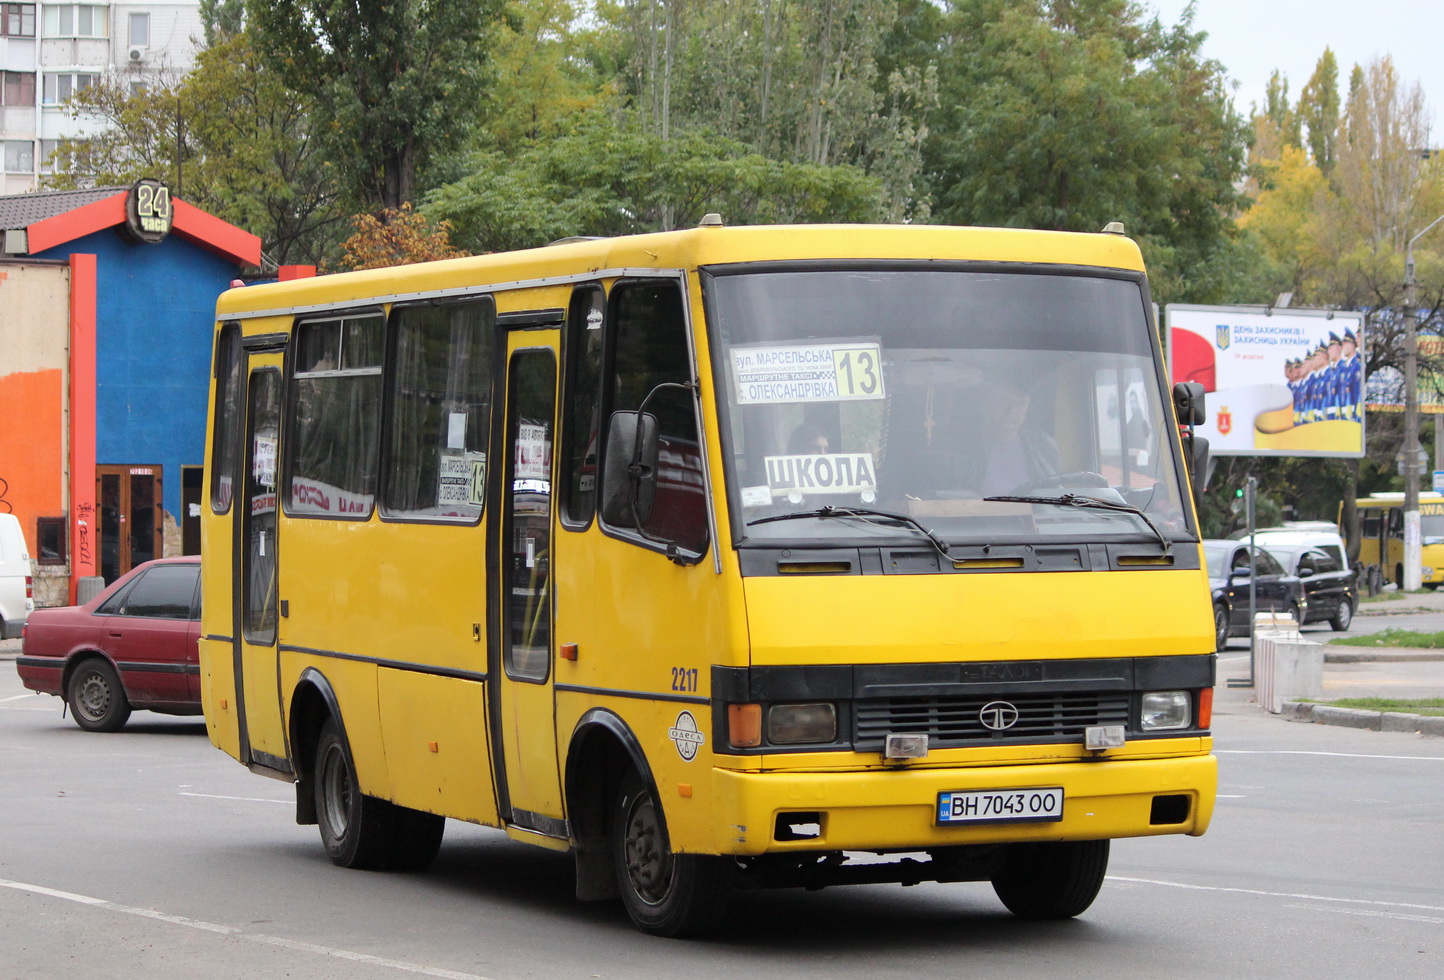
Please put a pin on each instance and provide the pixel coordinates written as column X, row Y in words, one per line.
column 1362, row 671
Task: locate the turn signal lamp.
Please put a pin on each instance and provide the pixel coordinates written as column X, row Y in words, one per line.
column 744, row 725
column 1205, row 708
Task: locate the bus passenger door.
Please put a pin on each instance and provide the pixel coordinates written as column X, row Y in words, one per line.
column 524, row 718
column 262, row 731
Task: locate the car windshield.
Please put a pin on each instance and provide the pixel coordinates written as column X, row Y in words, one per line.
column 924, row 393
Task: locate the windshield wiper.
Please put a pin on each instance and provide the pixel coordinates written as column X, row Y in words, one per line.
column 1092, row 503
column 862, row 513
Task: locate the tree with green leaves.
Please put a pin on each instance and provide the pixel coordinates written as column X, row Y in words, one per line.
column 607, row 181
column 1319, row 111
column 1067, row 115
column 393, row 84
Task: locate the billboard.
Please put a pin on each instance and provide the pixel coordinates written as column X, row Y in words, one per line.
column 1280, row 382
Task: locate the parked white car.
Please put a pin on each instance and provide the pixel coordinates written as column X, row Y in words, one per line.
column 17, row 598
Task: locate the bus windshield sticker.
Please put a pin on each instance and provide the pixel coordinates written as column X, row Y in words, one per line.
column 794, row 477
column 811, row 373
column 686, row 736
column 756, row 496
column 456, row 430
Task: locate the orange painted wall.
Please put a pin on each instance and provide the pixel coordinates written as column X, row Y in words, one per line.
column 31, row 466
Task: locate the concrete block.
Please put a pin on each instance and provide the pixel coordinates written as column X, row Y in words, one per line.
column 1297, row 711
column 1325, row 714
column 1431, row 725
column 1398, row 721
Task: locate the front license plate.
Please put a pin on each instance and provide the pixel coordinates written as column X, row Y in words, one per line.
column 1001, row 805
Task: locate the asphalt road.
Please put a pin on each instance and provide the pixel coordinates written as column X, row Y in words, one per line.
column 148, row 854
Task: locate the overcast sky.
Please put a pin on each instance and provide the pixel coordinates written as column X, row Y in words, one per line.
column 1253, row 37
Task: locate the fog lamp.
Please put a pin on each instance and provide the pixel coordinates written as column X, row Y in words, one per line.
column 1163, row 710
column 791, row 724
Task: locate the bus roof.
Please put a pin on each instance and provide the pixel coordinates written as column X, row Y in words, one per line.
column 1396, row 496
column 706, row 245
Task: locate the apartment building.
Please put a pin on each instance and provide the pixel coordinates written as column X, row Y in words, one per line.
column 50, row 51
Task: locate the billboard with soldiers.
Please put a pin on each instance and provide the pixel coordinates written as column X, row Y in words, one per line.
column 1280, row 382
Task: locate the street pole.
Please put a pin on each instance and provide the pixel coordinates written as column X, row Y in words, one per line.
column 1413, row 557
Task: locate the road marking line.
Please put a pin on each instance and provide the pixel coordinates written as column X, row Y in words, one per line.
column 1255, row 891
column 1370, row 912
column 18, row 697
column 1229, row 796
column 180, row 920
column 240, row 799
column 1335, row 755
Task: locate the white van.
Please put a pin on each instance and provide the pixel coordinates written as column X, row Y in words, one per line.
column 16, row 595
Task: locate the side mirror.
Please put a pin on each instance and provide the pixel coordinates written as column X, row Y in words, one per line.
column 1188, row 403
column 1195, row 455
column 1306, row 573
column 629, row 474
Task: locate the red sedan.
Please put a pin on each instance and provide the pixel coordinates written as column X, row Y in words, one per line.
column 132, row 646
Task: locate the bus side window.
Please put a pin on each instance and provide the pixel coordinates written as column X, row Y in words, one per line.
column 582, row 412
column 649, row 348
column 335, row 416
column 1396, row 522
column 440, row 412
column 1369, row 524
column 229, row 417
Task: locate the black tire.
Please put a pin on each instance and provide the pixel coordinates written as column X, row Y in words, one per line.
column 96, row 698
column 355, row 828
column 1432, row 586
column 415, row 839
column 1399, row 577
column 1343, row 616
column 666, row 894
column 1292, row 610
column 1052, row 880
column 1220, row 627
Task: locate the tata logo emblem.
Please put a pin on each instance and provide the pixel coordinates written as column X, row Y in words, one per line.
column 1220, row 336
column 998, row 715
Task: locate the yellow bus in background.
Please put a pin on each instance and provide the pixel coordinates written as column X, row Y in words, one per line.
column 1381, row 538
column 720, row 558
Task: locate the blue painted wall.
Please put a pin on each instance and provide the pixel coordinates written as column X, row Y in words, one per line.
column 155, row 310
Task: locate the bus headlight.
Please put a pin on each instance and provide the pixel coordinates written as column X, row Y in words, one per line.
column 793, row 724
column 1163, row 710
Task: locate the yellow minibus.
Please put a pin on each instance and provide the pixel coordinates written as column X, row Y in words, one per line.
column 722, row 558
column 1381, row 538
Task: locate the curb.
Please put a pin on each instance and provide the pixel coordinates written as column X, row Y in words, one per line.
column 1430, row 726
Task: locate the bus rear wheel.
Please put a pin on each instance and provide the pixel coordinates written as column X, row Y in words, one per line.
column 1051, row 879
column 665, row 894
column 354, row 827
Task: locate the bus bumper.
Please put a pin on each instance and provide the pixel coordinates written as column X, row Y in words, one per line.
column 896, row 809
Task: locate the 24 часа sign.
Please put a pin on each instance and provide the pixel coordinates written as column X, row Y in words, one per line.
column 1280, row 383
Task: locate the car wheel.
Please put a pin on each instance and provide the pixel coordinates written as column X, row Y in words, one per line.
column 1051, row 879
column 665, row 894
column 1292, row 609
column 355, row 828
column 1343, row 616
column 96, row 698
column 1220, row 627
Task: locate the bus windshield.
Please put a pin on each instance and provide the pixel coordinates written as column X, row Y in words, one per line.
column 923, row 393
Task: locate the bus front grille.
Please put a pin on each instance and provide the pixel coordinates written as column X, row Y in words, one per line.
column 957, row 721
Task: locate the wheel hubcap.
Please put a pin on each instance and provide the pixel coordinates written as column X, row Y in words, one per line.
column 94, row 696
column 336, row 790
column 648, row 858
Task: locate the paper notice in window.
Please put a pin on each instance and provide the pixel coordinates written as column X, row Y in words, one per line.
column 811, row 373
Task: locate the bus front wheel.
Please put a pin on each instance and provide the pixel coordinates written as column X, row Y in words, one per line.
column 353, row 826
column 665, row 894
column 1051, row 879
